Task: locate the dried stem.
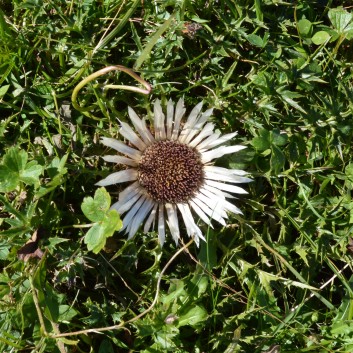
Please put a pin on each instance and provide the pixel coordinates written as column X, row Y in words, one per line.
column 104, row 71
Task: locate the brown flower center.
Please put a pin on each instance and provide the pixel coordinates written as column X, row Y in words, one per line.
column 171, row 172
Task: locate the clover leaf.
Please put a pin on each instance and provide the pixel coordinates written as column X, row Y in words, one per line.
column 106, row 221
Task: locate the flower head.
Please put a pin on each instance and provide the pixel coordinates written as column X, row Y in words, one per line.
column 171, row 169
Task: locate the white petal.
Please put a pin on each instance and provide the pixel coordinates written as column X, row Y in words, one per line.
column 206, row 142
column 230, row 207
column 191, row 228
column 139, row 217
column 129, row 134
column 226, row 171
column 198, row 125
column 228, row 178
column 159, row 127
column 218, row 192
column 219, row 152
column 190, row 123
column 170, row 117
column 222, row 186
column 161, row 224
column 213, row 214
column 173, row 221
column 151, row 218
column 120, row 160
column 131, row 190
column 123, row 206
column 219, row 141
column 132, row 212
column 211, row 206
column 205, row 132
column 141, row 128
column 200, row 213
column 193, row 116
column 221, row 202
column 179, row 113
column 121, row 147
column 119, row 177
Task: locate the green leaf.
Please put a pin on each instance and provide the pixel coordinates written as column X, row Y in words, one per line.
column 263, row 141
column 66, row 313
column 305, row 27
column 4, row 250
column 320, row 37
column 95, row 208
column 341, row 20
column 192, row 317
column 277, row 159
column 8, row 179
column 289, row 96
column 30, row 175
column 96, row 237
column 111, row 222
column 176, row 290
column 302, row 252
column 15, row 159
column 255, row 40
column 51, row 303
column 201, row 281
column 278, row 138
column 3, row 90
column 106, row 221
column 15, row 169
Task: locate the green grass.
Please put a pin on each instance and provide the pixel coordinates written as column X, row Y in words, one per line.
column 276, row 279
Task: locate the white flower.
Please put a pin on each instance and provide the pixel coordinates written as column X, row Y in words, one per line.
column 171, row 169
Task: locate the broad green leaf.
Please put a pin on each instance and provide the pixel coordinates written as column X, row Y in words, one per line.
column 57, row 166
column 192, row 317
column 262, row 142
column 8, row 179
column 15, row 159
column 95, row 208
column 30, row 175
column 341, row 20
column 3, row 90
column 106, row 221
column 255, row 40
column 175, row 291
column 111, row 222
column 320, row 37
column 278, row 138
column 15, row 169
column 66, row 313
column 51, row 185
column 342, row 328
column 96, row 237
column 305, row 27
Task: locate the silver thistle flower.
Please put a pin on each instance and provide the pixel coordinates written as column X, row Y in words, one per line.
column 171, row 169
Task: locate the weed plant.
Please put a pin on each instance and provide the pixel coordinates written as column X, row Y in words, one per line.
column 276, row 279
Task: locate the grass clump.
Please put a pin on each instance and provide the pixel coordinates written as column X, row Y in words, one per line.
column 277, row 278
